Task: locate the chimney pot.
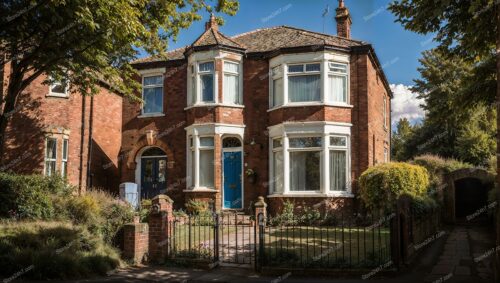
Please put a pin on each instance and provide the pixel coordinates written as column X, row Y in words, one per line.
column 212, row 23
column 344, row 22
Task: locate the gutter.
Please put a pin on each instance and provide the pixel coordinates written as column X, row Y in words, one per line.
column 89, row 147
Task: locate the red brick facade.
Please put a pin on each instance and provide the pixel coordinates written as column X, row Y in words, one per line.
column 84, row 121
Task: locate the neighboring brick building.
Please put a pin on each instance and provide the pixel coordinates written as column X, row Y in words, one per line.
column 278, row 112
column 52, row 130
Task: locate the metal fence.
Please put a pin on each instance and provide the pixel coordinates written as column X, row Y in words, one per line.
column 346, row 242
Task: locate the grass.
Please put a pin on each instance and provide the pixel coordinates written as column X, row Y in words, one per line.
column 326, row 246
column 53, row 250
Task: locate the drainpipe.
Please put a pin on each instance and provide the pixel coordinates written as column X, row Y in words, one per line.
column 82, row 141
column 89, row 158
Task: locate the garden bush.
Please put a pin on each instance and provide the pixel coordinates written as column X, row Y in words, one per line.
column 31, row 196
column 438, row 167
column 382, row 185
column 53, row 250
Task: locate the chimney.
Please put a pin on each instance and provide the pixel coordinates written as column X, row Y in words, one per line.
column 343, row 19
column 212, row 23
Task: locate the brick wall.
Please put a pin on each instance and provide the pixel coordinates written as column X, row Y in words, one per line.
column 38, row 115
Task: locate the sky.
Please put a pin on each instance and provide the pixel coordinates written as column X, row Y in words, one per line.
column 397, row 49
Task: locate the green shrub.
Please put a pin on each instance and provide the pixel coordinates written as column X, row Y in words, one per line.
column 438, row 167
column 492, row 165
column 382, row 185
column 30, row 196
column 53, row 250
column 286, row 217
column 196, row 207
column 422, row 205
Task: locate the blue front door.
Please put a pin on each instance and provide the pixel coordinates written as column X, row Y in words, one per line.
column 232, row 180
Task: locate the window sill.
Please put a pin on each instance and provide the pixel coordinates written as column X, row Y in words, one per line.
column 57, row 95
column 152, row 115
column 200, row 189
column 312, row 195
column 305, row 104
column 214, row 105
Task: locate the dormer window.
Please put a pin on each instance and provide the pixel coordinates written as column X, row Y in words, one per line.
column 206, row 78
column 152, row 94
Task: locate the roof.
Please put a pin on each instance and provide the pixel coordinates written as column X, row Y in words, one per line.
column 260, row 40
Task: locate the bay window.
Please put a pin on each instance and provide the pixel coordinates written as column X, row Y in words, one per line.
column 231, row 81
column 206, row 78
column 338, row 163
column 206, row 164
column 311, row 159
column 337, row 82
column 152, row 94
column 305, row 163
column 50, row 156
column 277, row 87
column 304, row 83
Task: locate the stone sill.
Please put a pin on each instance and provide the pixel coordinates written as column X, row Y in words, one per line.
column 151, row 115
column 306, row 104
column 200, row 190
column 311, row 195
column 214, row 105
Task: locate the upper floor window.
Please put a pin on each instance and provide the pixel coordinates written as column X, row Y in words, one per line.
column 152, row 94
column 206, row 78
column 231, row 83
column 325, row 82
column 304, row 82
column 384, row 109
column 337, row 82
column 58, row 88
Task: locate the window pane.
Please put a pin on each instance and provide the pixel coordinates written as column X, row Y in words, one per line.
column 338, row 141
column 207, row 88
column 58, row 88
column 230, row 67
column 206, row 67
column 65, row 150
column 337, row 170
column 153, row 100
column 231, row 94
column 338, row 88
column 148, row 174
column 304, row 88
column 64, row 169
column 304, row 171
column 278, row 92
column 51, row 150
column 193, row 168
column 162, row 170
column 305, row 142
column 339, row 68
column 155, row 80
column 50, row 168
column 277, row 180
column 277, row 143
column 206, row 141
column 313, row 67
column 295, row 68
column 206, row 168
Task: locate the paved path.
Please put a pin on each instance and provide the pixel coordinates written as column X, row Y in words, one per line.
column 466, row 256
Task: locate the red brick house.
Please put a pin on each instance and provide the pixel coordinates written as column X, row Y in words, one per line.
column 52, row 130
column 278, row 112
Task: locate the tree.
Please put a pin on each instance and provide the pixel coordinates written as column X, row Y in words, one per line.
column 399, row 140
column 87, row 42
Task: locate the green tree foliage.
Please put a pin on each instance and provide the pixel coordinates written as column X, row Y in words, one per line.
column 451, row 128
column 382, row 185
column 87, row 42
column 399, row 140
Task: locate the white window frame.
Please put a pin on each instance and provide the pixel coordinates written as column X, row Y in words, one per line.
column 198, row 82
column 346, row 149
column 239, row 79
column 58, row 94
column 153, row 86
column 299, row 74
column 47, row 159
column 309, row 129
column 325, row 58
column 306, row 149
column 334, row 73
column 276, row 73
column 64, row 160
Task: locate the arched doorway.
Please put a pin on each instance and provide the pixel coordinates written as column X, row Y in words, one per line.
column 153, row 172
column 232, row 173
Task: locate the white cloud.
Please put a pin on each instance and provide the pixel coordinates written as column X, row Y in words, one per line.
column 405, row 104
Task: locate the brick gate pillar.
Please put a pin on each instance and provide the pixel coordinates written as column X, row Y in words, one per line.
column 159, row 219
column 136, row 242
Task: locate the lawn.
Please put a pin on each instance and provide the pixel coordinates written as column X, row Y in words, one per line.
column 326, row 246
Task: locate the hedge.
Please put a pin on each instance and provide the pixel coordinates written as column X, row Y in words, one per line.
column 381, row 185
